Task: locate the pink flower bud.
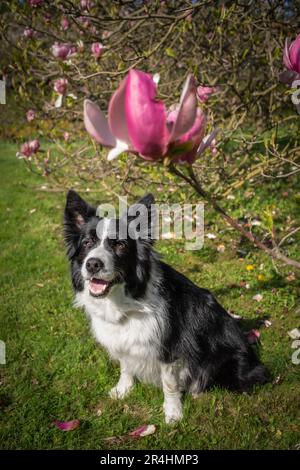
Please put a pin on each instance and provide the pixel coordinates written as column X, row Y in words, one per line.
column 203, row 92
column 86, row 4
column 47, row 17
column 106, row 34
column 214, row 151
column 66, row 136
column 30, row 115
column 35, row 3
column 61, row 85
column 62, row 51
column 64, row 23
column 97, row 49
column 34, row 145
column 28, row 32
column 93, row 30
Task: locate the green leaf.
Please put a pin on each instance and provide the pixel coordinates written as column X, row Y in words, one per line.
column 170, row 52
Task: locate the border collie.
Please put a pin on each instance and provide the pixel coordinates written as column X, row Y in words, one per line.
column 156, row 323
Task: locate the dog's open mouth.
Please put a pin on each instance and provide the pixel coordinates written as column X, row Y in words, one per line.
column 100, row 287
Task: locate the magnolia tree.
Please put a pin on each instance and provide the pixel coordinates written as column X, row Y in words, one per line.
column 133, row 57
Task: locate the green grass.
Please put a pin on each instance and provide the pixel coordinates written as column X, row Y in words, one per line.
column 55, row 370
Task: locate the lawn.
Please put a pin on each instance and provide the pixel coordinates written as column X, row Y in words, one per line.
column 55, row 370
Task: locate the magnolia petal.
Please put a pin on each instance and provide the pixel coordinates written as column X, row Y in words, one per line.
column 187, row 109
column 253, row 336
column 288, row 76
column 145, row 116
column 207, row 140
column 117, row 150
column 193, row 137
column 96, row 124
column 142, row 431
column 58, row 101
column 116, row 114
column 67, row 425
column 294, row 54
column 286, row 55
column 156, row 78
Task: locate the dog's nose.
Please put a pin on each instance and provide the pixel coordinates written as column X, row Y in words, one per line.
column 93, row 265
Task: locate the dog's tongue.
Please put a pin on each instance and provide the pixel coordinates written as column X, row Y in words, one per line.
column 98, row 286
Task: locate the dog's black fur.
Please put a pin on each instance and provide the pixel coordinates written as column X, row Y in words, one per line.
column 197, row 329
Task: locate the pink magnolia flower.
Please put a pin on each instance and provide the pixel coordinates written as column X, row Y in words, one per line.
column 28, row 148
column 30, row 115
column 140, row 124
column 203, row 92
column 28, row 32
column 64, row 23
column 291, row 60
column 25, row 150
column 62, row 51
column 97, row 49
column 60, row 86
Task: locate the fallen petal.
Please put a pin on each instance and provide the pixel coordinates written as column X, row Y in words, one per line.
column 67, row 425
column 142, row 431
column 234, row 315
column 211, row 236
column 253, row 336
column 257, row 297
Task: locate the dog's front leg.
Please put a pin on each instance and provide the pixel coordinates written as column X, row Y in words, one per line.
column 172, row 395
column 125, row 384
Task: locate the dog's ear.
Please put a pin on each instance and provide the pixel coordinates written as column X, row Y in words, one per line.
column 77, row 213
column 147, row 200
column 142, row 218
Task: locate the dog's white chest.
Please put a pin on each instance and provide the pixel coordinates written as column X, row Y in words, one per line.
column 129, row 332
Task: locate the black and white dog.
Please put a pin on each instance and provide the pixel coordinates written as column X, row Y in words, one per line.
column 161, row 327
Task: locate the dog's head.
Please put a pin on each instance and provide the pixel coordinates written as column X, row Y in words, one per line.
column 105, row 252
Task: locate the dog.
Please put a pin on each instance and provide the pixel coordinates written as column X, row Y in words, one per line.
column 159, row 326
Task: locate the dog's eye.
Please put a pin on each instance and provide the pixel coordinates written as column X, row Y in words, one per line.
column 120, row 246
column 88, row 242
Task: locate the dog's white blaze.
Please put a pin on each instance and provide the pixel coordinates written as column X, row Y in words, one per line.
column 106, row 223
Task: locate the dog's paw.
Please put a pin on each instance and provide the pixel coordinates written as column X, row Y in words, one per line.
column 173, row 412
column 119, row 391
